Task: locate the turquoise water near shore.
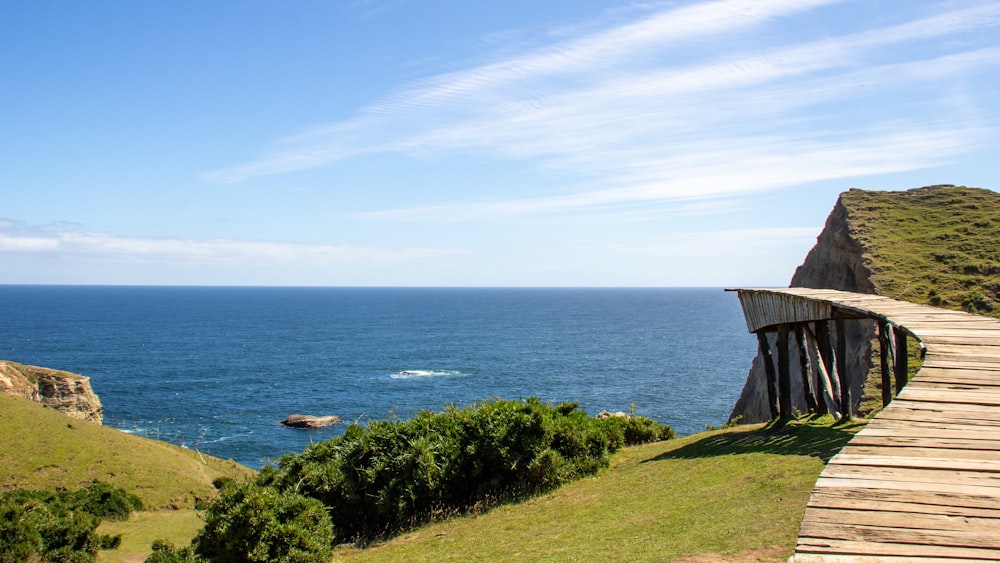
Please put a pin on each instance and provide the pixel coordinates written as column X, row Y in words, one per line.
column 217, row 368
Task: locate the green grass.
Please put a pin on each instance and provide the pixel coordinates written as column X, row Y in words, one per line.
column 936, row 245
column 740, row 491
column 41, row 448
column 139, row 532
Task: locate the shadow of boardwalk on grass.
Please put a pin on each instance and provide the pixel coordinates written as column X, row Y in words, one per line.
column 812, row 439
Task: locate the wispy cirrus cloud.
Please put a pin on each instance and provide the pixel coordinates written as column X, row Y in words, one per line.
column 16, row 237
column 705, row 100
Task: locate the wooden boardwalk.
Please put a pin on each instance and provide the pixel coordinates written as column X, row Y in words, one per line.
column 921, row 482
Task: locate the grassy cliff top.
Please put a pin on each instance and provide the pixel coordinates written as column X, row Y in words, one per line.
column 938, row 245
column 41, row 448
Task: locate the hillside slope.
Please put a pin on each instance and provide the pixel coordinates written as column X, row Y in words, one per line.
column 936, row 245
column 43, row 448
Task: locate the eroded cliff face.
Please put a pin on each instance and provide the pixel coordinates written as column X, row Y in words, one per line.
column 68, row 392
column 836, row 262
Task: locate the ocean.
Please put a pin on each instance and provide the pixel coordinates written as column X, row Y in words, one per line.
column 217, row 368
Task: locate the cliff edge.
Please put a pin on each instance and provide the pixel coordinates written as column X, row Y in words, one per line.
column 935, row 245
column 64, row 391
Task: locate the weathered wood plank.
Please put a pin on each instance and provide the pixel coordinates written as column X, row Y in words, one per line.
column 914, row 477
column 934, row 417
column 900, row 403
column 882, row 484
column 910, row 552
column 919, row 501
column 941, row 396
column 829, row 558
column 915, row 420
column 913, row 431
column 905, row 521
column 922, row 452
column 927, row 442
column 852, row 532
column 918, row 462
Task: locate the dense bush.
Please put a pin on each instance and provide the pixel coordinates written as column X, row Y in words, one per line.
column 106, row 502
column 392, row 474
column 253, row 523
column 60, row 526
column 166, row 552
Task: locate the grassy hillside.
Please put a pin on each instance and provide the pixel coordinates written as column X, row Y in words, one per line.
column 42, row 448
column 735, row 495
column 937, row 245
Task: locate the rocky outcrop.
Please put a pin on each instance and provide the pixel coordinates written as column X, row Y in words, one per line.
column 67, row 392
column 308, row 421
column 838, row 261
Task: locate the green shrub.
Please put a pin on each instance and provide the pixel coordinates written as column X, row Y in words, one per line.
column 639, row 429
column 165, row 552
column 254, row 523
column 106, row 502
column 391, row 474
column 59, row 526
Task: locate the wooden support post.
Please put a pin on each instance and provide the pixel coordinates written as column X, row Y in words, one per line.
column 825, row 349
column 884, row 349
column 846, row 401
column 901, row 365
column 804, row 369
column 784, row 375
column 765, row 354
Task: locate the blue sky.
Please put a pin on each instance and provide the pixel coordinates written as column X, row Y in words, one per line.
column 458, row 143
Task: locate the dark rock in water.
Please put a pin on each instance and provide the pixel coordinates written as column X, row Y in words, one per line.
column 306, row 421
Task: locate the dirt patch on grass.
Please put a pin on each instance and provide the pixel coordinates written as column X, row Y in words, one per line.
column 768, row 554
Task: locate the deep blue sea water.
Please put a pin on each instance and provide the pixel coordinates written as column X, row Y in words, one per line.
column 217, row 368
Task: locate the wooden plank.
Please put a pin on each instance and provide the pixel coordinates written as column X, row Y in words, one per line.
column 831, row 558
column 882, row 484
column 927, row 479
column 941, row 396
column 975, row 354
column 950, row 538
column 990, row 342
column 904, row 521
column 913, row 420
column 953, row 388
column 846, row 497
column 915, row 431
column 945, row 372
column 901, row 403
column 923, row 441
column 910, row 552
column 934, row 417
column 917, row 462
column 922, row 452
column 943, row 362
column 992, row 382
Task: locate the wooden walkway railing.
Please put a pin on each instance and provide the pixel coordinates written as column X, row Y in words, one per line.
column 921, row 482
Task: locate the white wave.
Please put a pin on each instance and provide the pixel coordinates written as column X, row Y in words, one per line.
column 418, row 373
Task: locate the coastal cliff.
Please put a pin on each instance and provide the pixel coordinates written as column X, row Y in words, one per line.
column 934, row 245
column 64, row 391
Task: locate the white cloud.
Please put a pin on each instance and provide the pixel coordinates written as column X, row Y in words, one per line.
column 620, row 111
column 18, row 239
